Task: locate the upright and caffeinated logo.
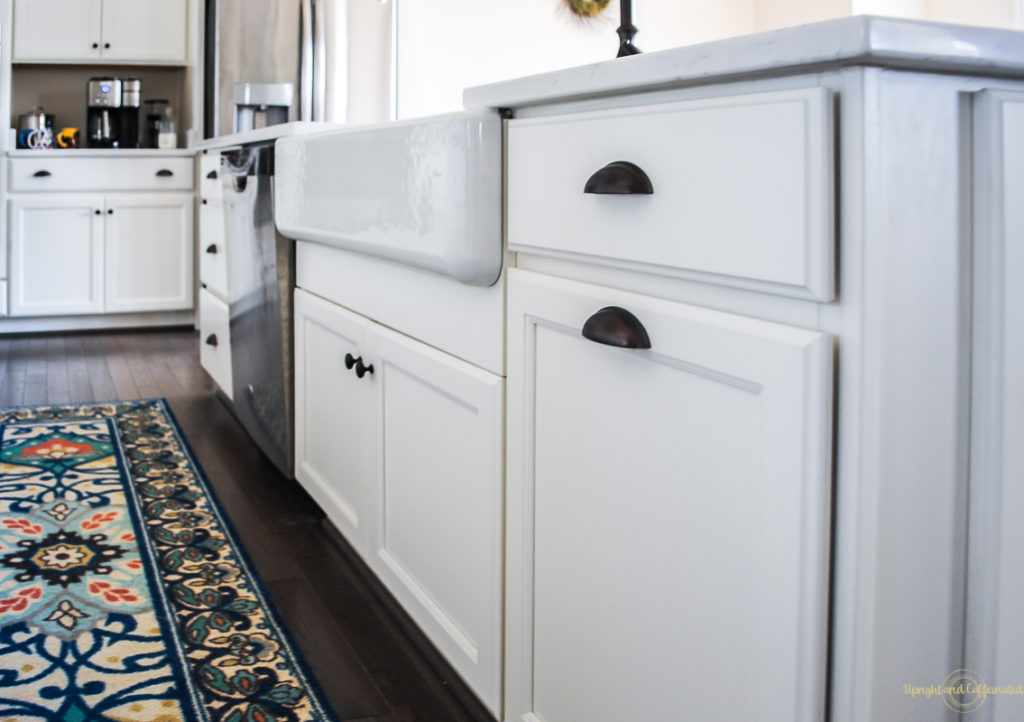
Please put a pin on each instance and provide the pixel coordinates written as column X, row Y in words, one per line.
column 963, row 690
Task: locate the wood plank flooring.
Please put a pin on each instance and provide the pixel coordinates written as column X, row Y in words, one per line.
column 371, row 663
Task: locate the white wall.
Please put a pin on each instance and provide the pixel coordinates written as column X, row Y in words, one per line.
column 371, row 71
column 447, row 45
column 443, row 46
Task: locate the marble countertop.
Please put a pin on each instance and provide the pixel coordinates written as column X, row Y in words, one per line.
column 859, row 40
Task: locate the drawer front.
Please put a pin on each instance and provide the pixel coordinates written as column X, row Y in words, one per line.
column 100, row 174
column 742, row 189
column 210, row 188
column 214, row 340
column 213, row 266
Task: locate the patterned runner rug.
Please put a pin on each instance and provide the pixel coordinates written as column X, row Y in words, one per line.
column 123, row 592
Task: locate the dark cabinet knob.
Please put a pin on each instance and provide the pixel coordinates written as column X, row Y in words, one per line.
column 212, row 175
column 212, row 248
column 211, row 340
column 362, row 369
column 95, row 45
column 614, row 326
column 110, row 211
column 203, row 201
column 42, row 174
column 97, row 211
column 106, row 46
column 164, row 173
column 619, row 178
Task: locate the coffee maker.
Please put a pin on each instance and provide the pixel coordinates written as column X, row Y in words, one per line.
column 103, row 118
column 128, row 117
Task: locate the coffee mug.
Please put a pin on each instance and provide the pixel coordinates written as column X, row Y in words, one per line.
column 35, row 139
column 68, row 138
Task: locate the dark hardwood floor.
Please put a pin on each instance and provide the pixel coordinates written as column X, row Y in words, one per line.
column 371, row 664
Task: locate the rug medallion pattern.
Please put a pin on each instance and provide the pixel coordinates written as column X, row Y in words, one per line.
column 123, row 595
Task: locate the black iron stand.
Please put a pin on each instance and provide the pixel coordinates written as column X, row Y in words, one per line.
column 627, row 30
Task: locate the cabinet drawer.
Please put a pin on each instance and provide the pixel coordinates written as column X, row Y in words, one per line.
column 103, row 174
column 213, row 266
column 215, row 340
column 742, row 189
column 210, row 188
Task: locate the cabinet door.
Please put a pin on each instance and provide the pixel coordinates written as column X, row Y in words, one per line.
column 56, row 30
column 145, row 30
column 333, row 458
column 148, row 248
column 438, row 540
column 213, row 265
column 667, row 513
column 215, row 340
column 56, row 255
column 995, row 590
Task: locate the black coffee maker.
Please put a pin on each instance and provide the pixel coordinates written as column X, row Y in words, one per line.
column 103, row 118
column 131, row 96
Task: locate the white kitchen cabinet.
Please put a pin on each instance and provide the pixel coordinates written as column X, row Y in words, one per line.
column 749, row 205
column 56, row 254
column 333, row 455
column 85, row 253
column 215, row 340
column 124, row 227
column 122, row 31
column 148, row 252
column 405, row 457
column 213, row 272
column 438, row 532
column 668, row 512
column 213, row 265
column 995, row 637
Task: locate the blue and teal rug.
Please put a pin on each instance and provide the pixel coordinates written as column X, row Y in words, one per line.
column 123, row 593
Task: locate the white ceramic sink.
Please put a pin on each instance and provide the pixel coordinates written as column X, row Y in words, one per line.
column 424, row 192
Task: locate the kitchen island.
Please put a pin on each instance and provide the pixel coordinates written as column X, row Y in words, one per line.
column 760, row 351
column 798, row 503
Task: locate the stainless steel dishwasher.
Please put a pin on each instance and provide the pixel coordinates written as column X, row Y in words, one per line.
column 261, row 275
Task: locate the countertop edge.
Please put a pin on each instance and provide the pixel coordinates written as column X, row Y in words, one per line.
column 270, row 132
column 830, row 44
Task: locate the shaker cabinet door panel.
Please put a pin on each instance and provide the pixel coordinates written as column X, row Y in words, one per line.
column 148, row 250
column 215, row 340
column 56, row 255
column 145, row 30
column 333, row 456
column 672, row 506
column 136, row 31
column 213, row 265
column 56, row 30
column 438, row 541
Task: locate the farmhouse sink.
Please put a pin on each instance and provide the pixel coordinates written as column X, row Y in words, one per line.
column 424, row 192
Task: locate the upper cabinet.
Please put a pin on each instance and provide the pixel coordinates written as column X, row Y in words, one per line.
column 122, row 31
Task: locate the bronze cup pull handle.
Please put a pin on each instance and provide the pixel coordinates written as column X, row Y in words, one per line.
column 620, row 178
column 615, row 326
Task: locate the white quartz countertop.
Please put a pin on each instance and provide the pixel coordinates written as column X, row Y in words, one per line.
column 270, row 132
column 100, row 153
column 860, row 40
